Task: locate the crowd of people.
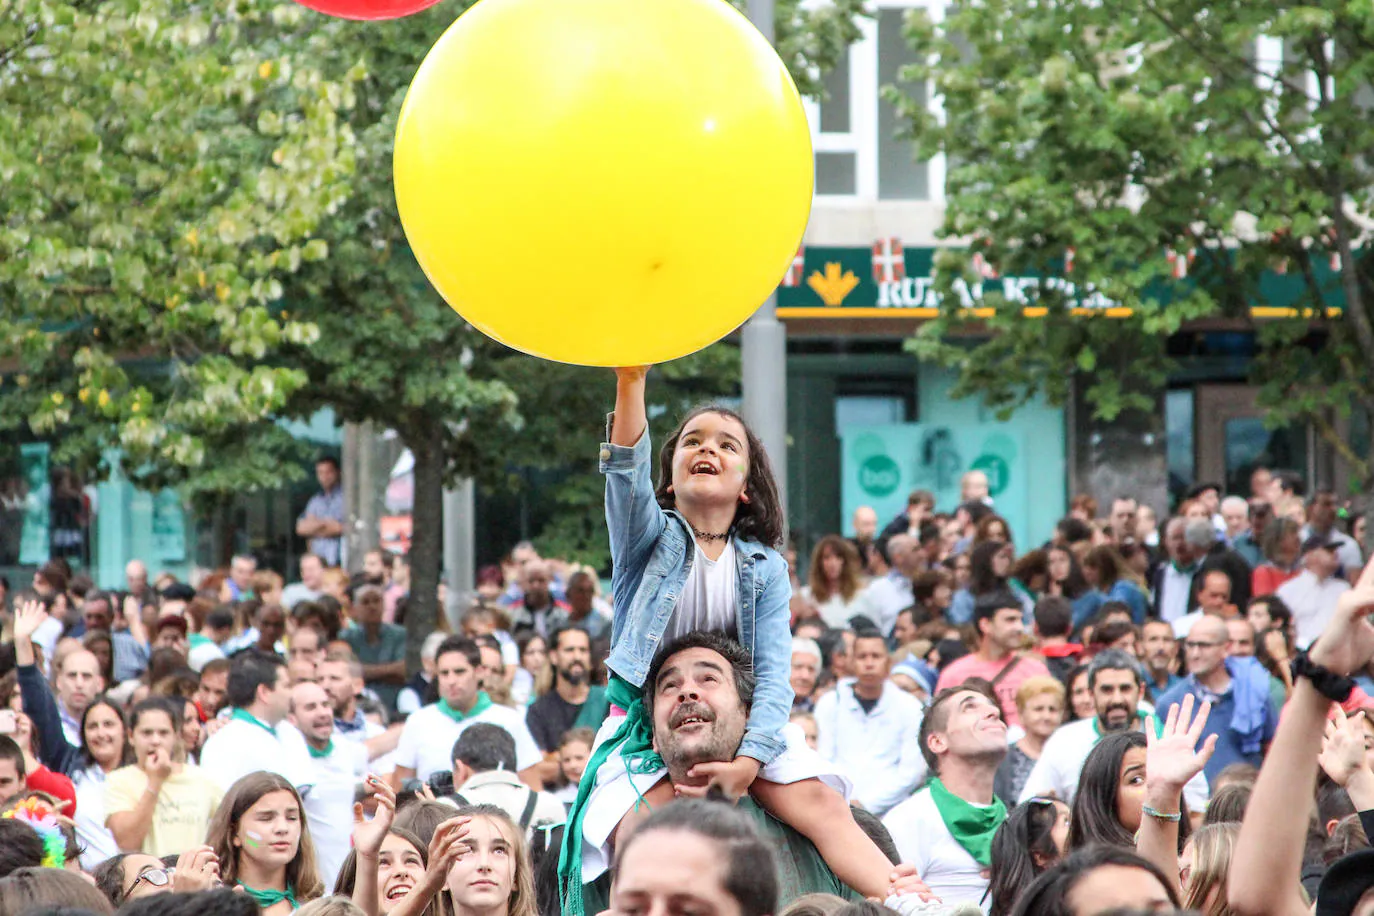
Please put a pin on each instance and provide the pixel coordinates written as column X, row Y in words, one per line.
column 1138, row 714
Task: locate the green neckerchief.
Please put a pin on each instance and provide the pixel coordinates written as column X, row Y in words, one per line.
column 1190, row 569
column 482, row 705
column 244, row 715
column 1159, row 726
column 195, row 639
column 971, row 826
column 633, row 740
column 1020, row 588
column 267, row 898
column 317, row 754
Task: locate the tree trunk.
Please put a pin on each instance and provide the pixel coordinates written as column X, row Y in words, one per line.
column 426, row 539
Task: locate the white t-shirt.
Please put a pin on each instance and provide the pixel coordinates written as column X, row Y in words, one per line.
column 240, row 748
column 923, row 840
column 98, row 844
column 329, row 804
column 1312, row 602
column 426, row 744
column 709, row 596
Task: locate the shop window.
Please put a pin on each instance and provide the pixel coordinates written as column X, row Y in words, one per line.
column 1250, row 445
column 45, row 511
column 1178, row 421
column 873, row 402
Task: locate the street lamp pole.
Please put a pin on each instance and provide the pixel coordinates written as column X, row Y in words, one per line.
column 763, row 346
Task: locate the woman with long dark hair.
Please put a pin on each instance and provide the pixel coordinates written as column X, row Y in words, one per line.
column 1097, row 880
column 1111, row 793
column 1032, row 839
column 1067, row 581
column 1107, row 571
column 989, row 571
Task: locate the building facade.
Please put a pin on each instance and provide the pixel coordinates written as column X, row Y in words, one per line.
column 868, row 422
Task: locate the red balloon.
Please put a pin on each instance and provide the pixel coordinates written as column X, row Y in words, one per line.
column 367, row 9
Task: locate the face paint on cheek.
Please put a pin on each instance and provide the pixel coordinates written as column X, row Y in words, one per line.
column 252, row 839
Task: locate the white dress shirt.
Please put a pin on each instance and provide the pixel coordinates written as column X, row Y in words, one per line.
column 880, row 751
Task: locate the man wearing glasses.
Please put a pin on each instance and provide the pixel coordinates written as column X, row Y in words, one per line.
column 1243, row 717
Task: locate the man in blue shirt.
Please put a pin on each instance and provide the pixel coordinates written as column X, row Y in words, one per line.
column 1242, row 718
column 323, row 519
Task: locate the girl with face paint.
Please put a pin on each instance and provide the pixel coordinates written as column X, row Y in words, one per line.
column 263, row 844
column 700, row 552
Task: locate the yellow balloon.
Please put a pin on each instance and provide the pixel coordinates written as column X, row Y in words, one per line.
column 603, row 182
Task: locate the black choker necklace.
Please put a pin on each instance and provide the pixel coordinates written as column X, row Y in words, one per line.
column 704, row 536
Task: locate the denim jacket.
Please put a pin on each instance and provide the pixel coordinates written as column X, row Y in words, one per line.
column 652, row 550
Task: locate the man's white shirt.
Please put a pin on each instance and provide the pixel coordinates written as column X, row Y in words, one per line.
column 329, row 804
column 1313, row 602
column 240, row 748
column 923, row 840
column 426, row 744
column 879, row 751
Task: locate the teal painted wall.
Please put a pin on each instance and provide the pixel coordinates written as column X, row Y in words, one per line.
column 814, row 381
column 1044, row 431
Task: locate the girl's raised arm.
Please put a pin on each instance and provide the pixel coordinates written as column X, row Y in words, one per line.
column 630, row 414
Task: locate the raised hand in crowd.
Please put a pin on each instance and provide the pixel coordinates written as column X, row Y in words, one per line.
column 1345, row 760
column 446, row 847
column 1171, row 760
column 133, row 619
column 30, row 616
column 367, row 840
column 1266, row 867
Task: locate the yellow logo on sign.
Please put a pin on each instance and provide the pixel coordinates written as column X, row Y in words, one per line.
column 832, row 286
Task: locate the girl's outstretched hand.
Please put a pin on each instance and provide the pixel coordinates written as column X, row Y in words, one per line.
column 733, row 778
column 631, row 373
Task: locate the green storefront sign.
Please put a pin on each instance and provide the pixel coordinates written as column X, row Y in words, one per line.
column 892, row 281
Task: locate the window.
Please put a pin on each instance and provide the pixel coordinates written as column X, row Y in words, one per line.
column 835, row 173
column 835, row 113
column 899, row 176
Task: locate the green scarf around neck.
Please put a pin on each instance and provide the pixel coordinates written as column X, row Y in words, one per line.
column 243, row 715
column 267, row 898
column 319, row 753
column 972, row 826
column 482, row 705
